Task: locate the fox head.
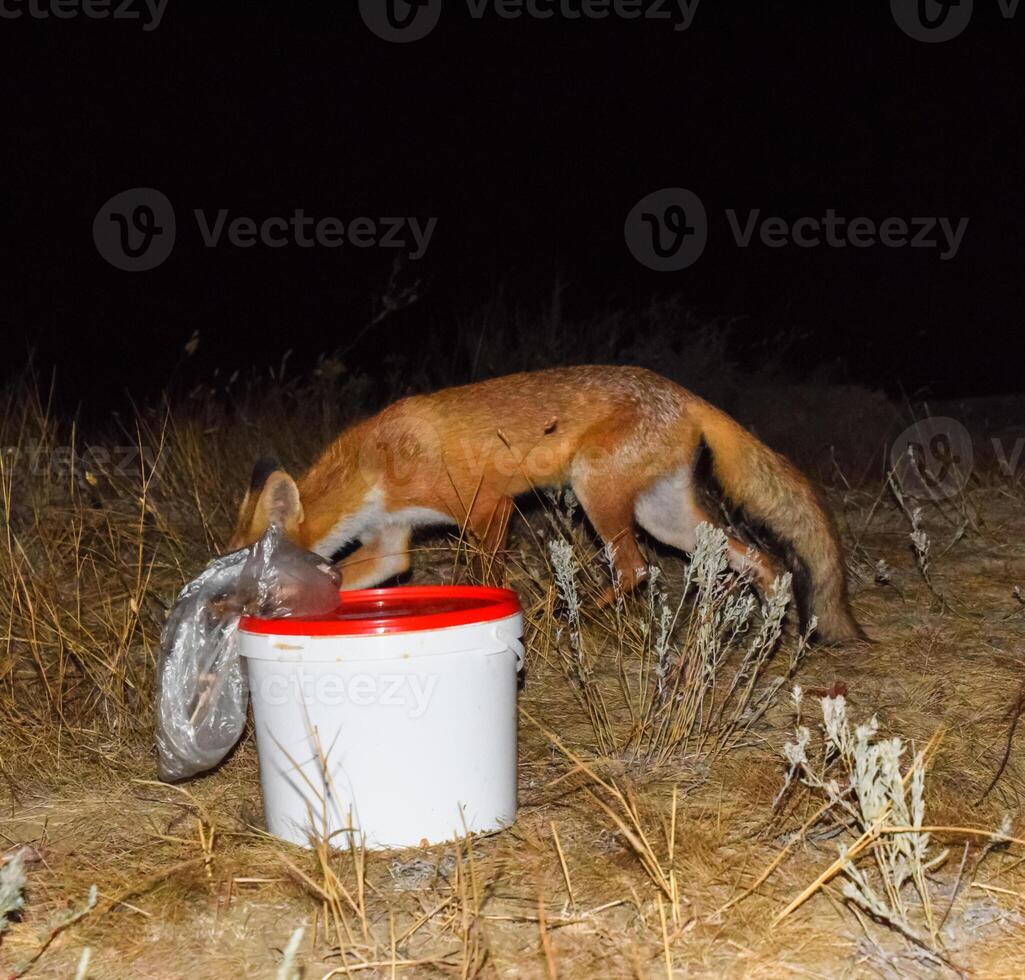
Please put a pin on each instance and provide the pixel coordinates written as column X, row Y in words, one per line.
column 272, row 498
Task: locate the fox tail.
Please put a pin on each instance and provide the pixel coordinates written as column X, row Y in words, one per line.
column 772, row 492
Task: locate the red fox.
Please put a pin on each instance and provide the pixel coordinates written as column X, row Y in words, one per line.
column 626, row 440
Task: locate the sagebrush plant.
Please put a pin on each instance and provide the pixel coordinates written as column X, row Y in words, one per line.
column 692, row 670
column 866, row 790
column 12, row 888
column 578, row 659
column 963, row 517
column 712, row 688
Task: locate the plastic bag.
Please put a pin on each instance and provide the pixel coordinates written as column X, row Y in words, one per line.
column 202, row 688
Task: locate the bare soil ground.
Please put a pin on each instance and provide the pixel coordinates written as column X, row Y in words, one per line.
column 187, row 883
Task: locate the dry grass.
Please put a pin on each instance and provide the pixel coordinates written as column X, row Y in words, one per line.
column 650, row 839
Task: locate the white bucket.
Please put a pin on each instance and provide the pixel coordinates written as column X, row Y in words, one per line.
column 395, row 716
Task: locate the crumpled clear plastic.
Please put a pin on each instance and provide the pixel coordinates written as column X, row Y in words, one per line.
column 202, row 688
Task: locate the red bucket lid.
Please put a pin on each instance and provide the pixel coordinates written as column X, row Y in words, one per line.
column 405, row 609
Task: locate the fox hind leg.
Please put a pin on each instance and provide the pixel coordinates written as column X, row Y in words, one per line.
column 669, row 510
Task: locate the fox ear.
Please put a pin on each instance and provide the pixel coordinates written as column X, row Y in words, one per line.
column 279, row 503
column 272, row 498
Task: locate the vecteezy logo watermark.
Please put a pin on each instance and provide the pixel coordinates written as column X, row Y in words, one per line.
column 400, row 21
column 410, row 20
column 933, row 21
column 90, row 9
column 932, row 458
column 135, row 230
column 667, row 230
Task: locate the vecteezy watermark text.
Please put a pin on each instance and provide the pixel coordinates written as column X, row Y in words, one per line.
column 409, row 692
column 305, row 232
column 679, row 12
column 668, row 229
column 149, row 12
column 85, row 465
column 402, row 21
column 836, row 231
column 136, row 230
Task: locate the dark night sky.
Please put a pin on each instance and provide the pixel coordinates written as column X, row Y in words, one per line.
column 529, row 140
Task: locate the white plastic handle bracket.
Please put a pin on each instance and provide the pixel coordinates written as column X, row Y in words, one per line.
column 514, row 643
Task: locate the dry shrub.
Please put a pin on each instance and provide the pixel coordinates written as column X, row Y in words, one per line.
column 692, row 669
